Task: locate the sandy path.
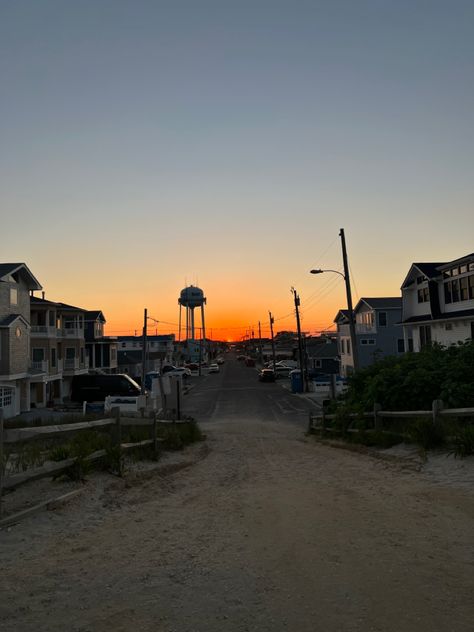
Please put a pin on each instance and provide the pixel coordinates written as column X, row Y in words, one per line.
column 263, row 530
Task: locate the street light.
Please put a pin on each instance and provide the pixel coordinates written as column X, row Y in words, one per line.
column 355, row 354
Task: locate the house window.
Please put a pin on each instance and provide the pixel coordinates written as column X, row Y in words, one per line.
column 382, row 319
column 342, row 346
column 52, row 319
column 367, row 341
column 455, row 290
column 425, row 336
column 401, row 345
column 423, row 295
column 13, row 296
column 448, row 297
column 410, row 344
column 463, row 289
column 317, row 364
column 462, row 269
column 470, row 280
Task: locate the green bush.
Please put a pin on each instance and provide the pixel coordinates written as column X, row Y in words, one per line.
column 413, row 380
column 463, row 441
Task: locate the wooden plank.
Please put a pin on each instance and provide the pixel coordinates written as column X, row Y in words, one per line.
column 138, row 444
column 51, row 503
column 457, row 412
column 139, row 421
column 40, row 432
column 48, row 469
column 403, row 414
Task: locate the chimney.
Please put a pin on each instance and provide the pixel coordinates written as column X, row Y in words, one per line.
column 42, row 295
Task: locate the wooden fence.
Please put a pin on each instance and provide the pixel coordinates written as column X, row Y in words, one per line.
column 114, row 423
column 318, row 421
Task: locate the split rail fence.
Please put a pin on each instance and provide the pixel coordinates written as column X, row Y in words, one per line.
column 114, row 423
column 320, row 422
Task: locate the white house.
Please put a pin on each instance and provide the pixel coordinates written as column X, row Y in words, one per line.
column 438, row 303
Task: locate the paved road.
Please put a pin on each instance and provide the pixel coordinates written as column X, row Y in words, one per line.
column 236, row 393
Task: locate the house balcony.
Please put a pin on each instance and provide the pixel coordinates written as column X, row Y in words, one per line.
column 70, row 332
column 364, row 328
column 39, row 366
column 71, row 366
column 43, row 331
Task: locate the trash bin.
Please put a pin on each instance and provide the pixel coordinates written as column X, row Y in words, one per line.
column 296, row 381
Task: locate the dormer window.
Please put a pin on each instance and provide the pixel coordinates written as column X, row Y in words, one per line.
column 423, row 295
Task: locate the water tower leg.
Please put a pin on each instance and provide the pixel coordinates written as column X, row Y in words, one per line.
column 192, row 323
column 179, row 324
column 187, row 322
column 202, row 323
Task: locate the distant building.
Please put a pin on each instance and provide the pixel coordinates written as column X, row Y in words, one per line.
column 160, row 350
column 438, row 303
column 101, row 350
column 322, row 354
column 378, row 332
column 16, row 372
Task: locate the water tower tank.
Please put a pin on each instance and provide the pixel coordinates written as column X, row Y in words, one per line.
column 192, row 297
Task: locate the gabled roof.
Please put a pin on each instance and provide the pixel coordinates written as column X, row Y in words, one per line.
column 342, row 316
column 324, row 350
column 381, row 302
column 9, row 269
column 12, row 318
column 457, row 261
column 429, row 270
column 95, row 314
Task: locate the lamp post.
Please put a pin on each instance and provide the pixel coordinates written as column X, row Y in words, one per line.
column 355, row 354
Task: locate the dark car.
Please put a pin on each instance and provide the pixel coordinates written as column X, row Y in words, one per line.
column 266, row 375
column 95, row 388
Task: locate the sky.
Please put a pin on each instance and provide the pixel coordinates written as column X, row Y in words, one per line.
column 149, row 145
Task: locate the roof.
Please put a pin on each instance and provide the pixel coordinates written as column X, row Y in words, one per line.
column 95, row 314
column 8, row 321
column 457, row 261
column 323, row 350
column 8, row 269
column 465, row 313
column 342, row 313
column 381, row 302
column 41, row 301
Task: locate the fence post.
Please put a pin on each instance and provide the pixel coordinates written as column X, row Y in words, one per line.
column 377, row 408
column 1, row 460
column 117, row 439
column 155, row 434
column 436, row 407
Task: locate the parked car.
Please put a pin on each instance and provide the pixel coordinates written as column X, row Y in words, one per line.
column 282, row 371
column 95, row 388
column 220, row 360
column 266, row 375
column 213, row 368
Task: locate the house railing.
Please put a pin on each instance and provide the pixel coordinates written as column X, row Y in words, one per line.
column 71, row 332
column 71, row 364
column 39, row 365
column 43, row 330
column 365, row 328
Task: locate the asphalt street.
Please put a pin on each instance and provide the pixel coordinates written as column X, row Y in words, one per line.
column 236, row 393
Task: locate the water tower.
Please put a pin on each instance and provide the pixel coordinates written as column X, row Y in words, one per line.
column 190, row 298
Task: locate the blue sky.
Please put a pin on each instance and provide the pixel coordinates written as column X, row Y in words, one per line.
column 207, row 139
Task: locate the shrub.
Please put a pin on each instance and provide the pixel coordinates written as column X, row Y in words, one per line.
column 463, row 441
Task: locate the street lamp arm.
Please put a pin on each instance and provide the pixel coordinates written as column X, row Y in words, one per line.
column 321, row 271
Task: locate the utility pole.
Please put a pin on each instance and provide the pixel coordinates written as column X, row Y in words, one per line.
column 272, row 320
column 355, row 350
column 145, row 317
column 260, row 343
column 298, row 326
